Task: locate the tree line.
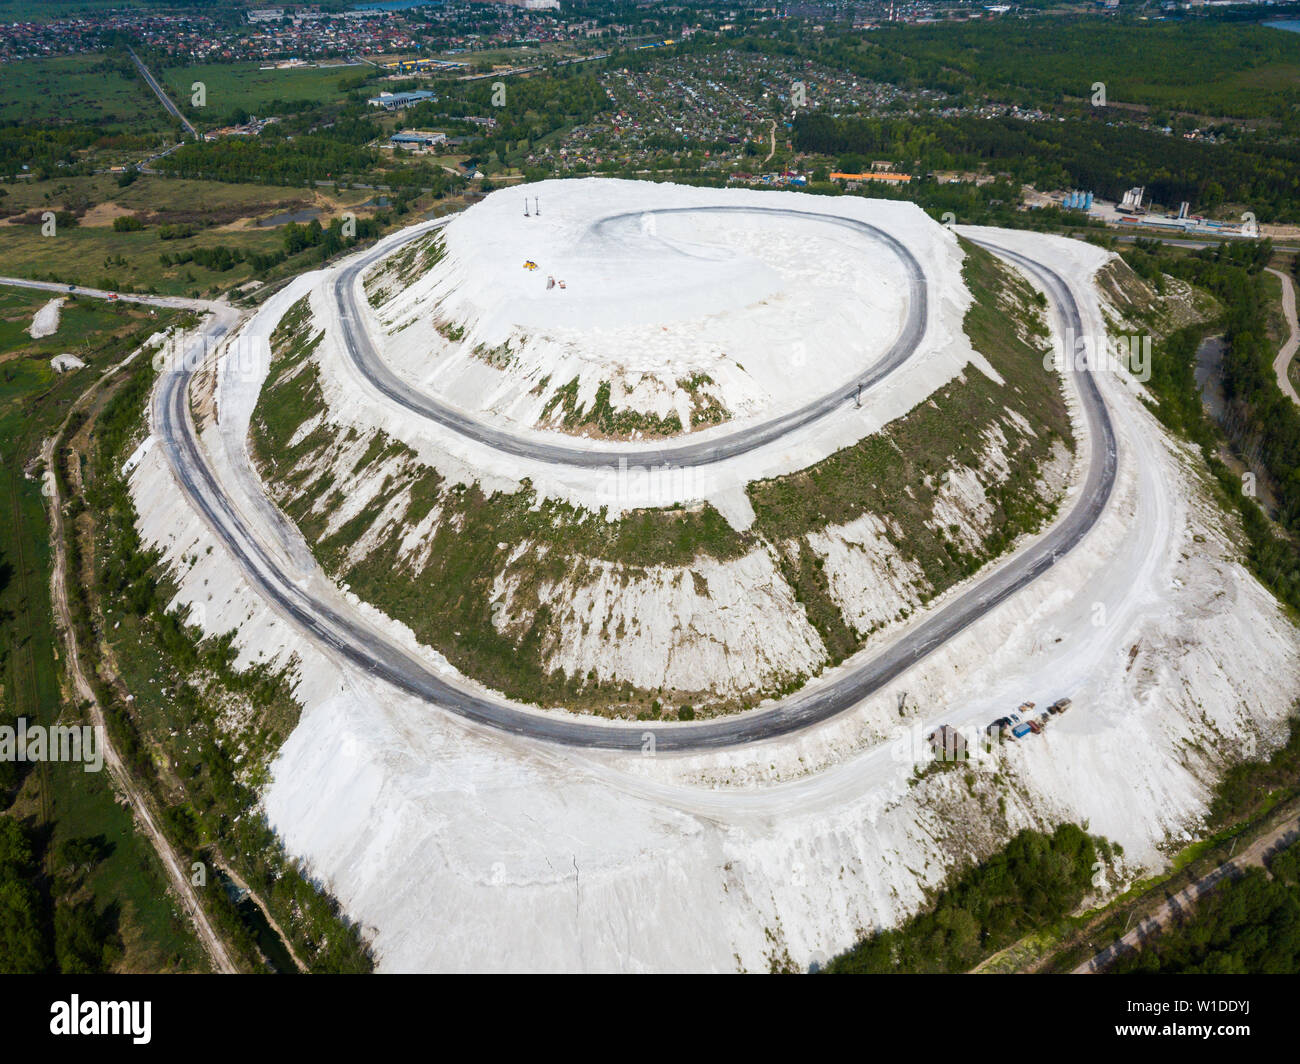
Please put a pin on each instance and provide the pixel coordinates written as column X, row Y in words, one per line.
column 1088, row 154
column 1268, row 423
column 1249, row 925
column 1036, row 879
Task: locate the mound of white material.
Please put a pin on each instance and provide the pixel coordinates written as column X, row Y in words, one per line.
column 514, row 394
column 65, row 362
column 466, row 850
column 461, row 849
column 45, row 322
column 663, row 287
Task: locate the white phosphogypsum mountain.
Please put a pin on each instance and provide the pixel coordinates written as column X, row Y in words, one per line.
column 458, row 846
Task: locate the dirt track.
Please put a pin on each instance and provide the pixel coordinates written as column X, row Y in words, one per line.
column 1282, row 364
column 1252, row 856
column 140, row 806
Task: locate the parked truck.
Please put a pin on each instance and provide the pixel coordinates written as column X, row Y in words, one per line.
column 1017, row 727
column 1003, row 724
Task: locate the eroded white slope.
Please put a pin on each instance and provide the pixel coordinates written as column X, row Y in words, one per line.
column 462, row 849
column 729, row 627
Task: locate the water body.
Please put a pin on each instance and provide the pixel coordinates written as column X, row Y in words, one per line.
column 305, row 215
column 1209, row 379
column 1209, row 376
column 273, row 949
column 1290, row 25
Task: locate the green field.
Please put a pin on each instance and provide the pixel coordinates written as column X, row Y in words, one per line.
column 28, row 681
column 103, row 258
column 84, row 325
column 88, row 89
column 231, row 86
column 92, row 253
column 33, row 400
column 48, row 10
column 62, row 802
column 106, row 90
column 214, row 201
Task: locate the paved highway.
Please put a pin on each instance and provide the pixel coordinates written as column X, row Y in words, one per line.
column 162, row 94
column 357, row 643
column 713, row 448
column 199, row 305
column 1195, row 245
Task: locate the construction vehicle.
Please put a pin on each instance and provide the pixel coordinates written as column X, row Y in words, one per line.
column 948, row 743
column 1059, row 706
column 529, row 264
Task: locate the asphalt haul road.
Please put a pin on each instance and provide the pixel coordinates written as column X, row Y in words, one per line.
column 375, row 654
column 361, row 351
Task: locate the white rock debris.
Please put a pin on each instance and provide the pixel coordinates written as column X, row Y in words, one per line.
column 45, row 322
column 728, row 628
column 65, row 363
column 870, row 580
column 460, row 848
